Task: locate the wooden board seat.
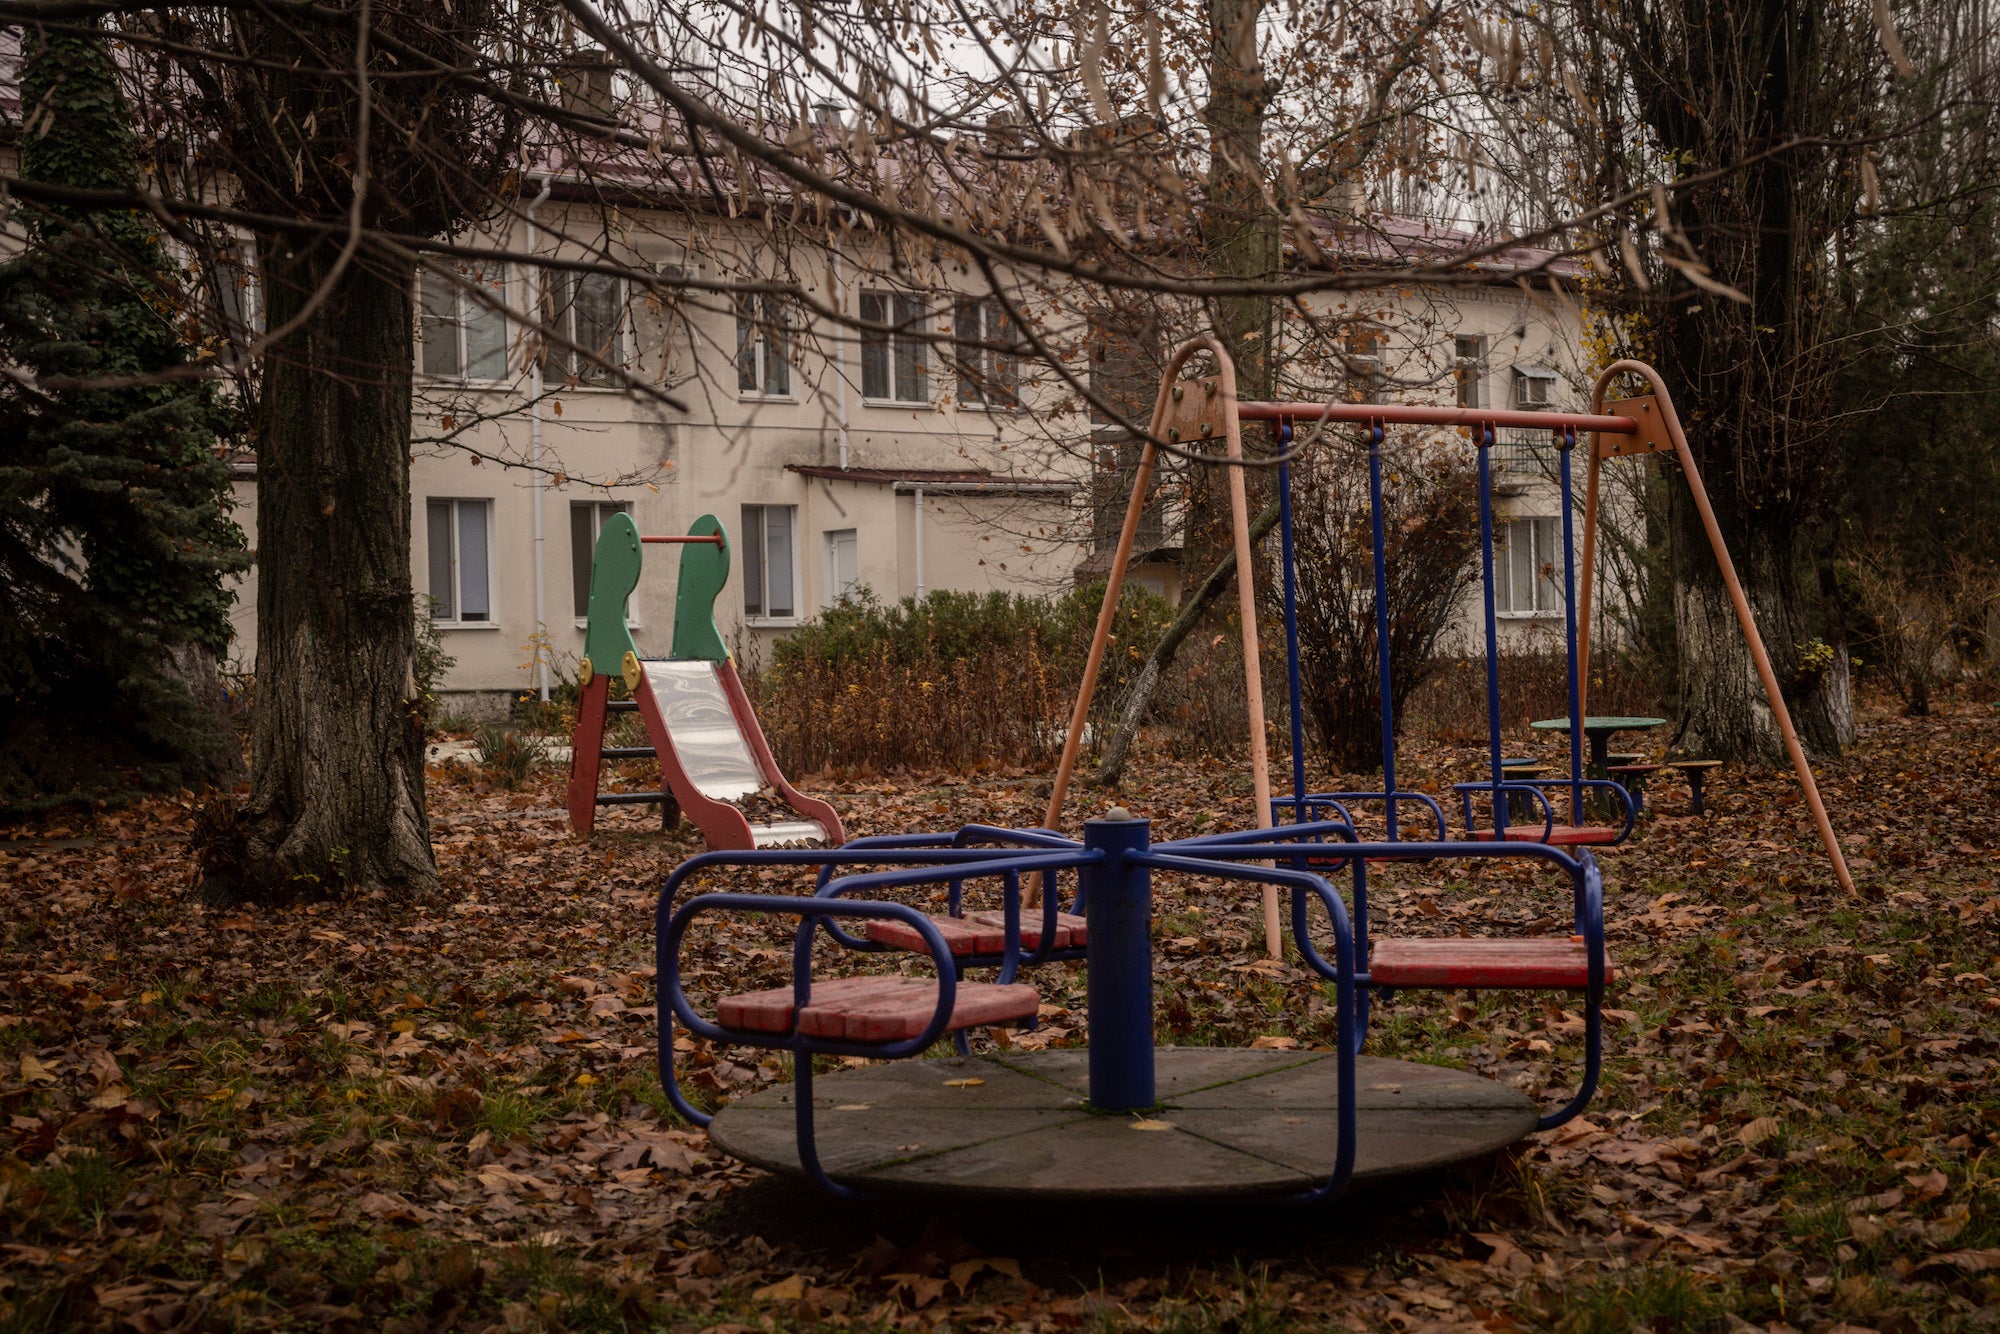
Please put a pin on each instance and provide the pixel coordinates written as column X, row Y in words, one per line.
column 1458, row 962
column 1560, row 836
column 979, row 934
column 876, row 1009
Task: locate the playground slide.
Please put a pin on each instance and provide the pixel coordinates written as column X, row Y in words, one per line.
column 699, row 709
column 714, row 760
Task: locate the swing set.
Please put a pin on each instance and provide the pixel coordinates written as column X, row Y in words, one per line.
column 1207, row 409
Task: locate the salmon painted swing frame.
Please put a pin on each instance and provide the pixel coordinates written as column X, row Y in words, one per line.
column 1196, row 410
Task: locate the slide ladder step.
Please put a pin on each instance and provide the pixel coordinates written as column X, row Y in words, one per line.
column 1560, row 836
column 1500, row 964
column 629, row 753
column 979, row 934
column 631, row 798
column 876, row 1009
column 621, row 706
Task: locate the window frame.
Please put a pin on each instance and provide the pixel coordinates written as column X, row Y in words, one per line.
column 890, row 342
column 982, row 365
column 760, row 315
column 1527, row 375
column 1536, row 525
column 1469, row 370
column 833, row 536
column 465, row 309
column 599, row 510
column 566, row 367
column 455, row 563
column 1364, row 354
column 756, row 557
column 233, row 268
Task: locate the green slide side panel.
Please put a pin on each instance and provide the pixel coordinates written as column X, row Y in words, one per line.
column 614, row 573
column 704, row 570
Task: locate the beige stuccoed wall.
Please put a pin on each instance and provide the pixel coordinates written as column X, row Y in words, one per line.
column 1522, row 330
column 723, row 451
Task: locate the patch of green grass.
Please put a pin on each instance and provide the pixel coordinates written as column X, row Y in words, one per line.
column 1250, row 1312
column 647, row 1092
column 1660, row 1298
column 565, row 1294
column 346, row 1258
column 508, row 1115
column 273, row 1000
column 1816, row 1229
column 15, row 1037
column 80, row 1190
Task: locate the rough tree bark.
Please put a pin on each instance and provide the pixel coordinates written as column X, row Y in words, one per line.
column 1241, row 238
column 1717, row 81
column 338, row 795
column 317, row 117
column 1722, row 706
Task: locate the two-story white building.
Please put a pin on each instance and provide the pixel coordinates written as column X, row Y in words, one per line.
column 895, row 460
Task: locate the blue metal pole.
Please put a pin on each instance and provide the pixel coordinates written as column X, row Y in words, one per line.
column 1292, row 623
column 1492, row 624
column 1119, row 895
column 1388, row 710
column 1565, row 447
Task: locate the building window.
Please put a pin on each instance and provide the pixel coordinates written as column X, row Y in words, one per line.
column 1469, row 370
column 843, row 563
column 892, row 361
column 769, row 562
column 239, row 302
column 1362, row 349
column 461, row 557
column 1534, row 388
column 586, row 311
column 763, row 368
column 1528, row 573
column 987, row 375
column 464, row 337
column 586, row 522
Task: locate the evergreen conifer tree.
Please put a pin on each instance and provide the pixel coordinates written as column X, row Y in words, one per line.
column 115, row 535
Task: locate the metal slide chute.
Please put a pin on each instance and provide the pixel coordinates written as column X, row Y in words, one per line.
column 715, row 762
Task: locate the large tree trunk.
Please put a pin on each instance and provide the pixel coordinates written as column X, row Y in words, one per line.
column 1241, row 236
column 1720, row 83
column 337, row 791
column 1722, row 702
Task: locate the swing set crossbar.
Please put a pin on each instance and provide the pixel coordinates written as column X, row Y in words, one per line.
column 1405, row 414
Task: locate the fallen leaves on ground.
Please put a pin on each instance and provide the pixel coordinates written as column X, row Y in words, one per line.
column 377, row 1115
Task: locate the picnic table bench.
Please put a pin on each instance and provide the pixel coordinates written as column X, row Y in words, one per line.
column 1695, row 771
column 1632, row 773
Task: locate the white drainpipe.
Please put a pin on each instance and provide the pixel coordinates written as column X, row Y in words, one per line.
column 918, row 495
column 535, row 449
column 840, row 362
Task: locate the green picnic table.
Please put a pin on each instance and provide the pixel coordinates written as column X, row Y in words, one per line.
column 1599, row 730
